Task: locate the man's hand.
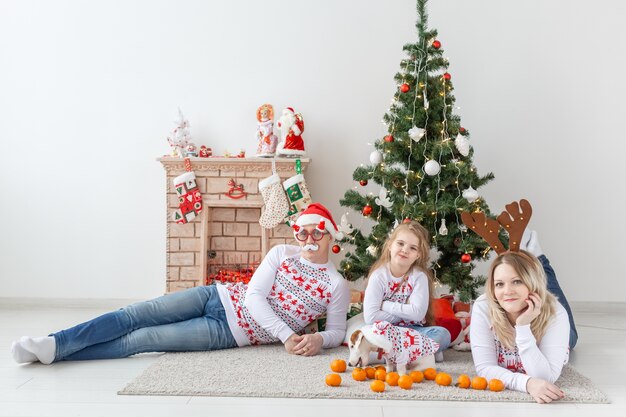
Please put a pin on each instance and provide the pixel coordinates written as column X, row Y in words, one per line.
column 532, row 312
column 309, row 345
column 291, row 343
column 543, row 391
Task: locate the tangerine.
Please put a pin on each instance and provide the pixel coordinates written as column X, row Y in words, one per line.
column 333, row 380
column 464, row 381
column 430, row 374
column 496, row 385
column 417, row 376
column 392, row 378
column 338, row 365
column 478, row 382
column 359, row 374
column 443, row 379
column 381, row 367
column 377, row 385
column 405, row 382
column 371, row 372
column 381, row 374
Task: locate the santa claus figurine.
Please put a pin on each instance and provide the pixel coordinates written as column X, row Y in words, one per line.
column 291, row 126
column 265, row 131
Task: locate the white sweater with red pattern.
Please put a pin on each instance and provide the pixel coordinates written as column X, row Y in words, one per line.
column 402, row 305
column 285, row 294
column 529, row 358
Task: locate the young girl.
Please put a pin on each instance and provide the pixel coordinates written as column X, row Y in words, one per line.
column 521, row 333
column 400, row 287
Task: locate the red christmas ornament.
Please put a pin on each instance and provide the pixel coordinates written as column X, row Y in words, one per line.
column 336, row 249
column 389, row 138
column 466, row 258
column 462, row 130
column 363, row 183
column 367, row 210
column 447, row 76
column 405, row 88
column 407, row 220
column 436, row 44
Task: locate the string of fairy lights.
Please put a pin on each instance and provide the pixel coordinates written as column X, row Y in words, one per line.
column 416, row 68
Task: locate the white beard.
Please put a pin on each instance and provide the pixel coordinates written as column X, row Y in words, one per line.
column 286, row 121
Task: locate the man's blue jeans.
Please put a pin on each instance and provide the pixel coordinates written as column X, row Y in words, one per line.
column 555, row 288
column 191, row 320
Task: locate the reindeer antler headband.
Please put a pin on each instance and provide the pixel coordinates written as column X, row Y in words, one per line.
column 512, row 220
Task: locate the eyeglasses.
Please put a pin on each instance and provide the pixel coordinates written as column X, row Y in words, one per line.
column 302, row 235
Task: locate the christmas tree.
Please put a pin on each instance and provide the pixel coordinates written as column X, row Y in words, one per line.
column 424, row 170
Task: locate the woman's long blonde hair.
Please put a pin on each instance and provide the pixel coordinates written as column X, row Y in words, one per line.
column 530, row 271
column 421, row 263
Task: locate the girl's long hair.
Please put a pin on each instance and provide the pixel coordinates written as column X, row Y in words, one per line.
column 421, row 263
column 530, row 271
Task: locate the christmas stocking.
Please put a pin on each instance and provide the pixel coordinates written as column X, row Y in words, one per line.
column 189, row 197
column 276, row 205
column 298, row 195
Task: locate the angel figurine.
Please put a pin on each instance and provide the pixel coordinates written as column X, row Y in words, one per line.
column 265, row 131
column 382, row 199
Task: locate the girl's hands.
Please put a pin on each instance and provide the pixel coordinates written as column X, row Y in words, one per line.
column 543, row 391
column 531, row 312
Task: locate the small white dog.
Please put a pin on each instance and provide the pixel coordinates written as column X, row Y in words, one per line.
column 402, row 348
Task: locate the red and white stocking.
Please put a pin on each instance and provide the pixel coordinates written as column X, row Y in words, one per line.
column 189, row 197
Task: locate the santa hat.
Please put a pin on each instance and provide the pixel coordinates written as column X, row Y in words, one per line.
column 289, row 109
column 319, row 215
column 376, row 334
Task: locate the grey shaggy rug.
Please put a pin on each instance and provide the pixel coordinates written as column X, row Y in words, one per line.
column 268, row 371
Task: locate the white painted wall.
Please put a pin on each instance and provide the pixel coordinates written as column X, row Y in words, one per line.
column 89, row 90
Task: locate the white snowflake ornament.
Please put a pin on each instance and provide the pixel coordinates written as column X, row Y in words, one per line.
column 462, row 144
column 382, row 199
column 416, row 133
column 470, row 194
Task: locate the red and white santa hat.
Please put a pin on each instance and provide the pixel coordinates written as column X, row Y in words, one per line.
column 289, row 109
column 319, row 215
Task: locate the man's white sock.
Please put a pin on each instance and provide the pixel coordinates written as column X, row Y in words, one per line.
column 21, row 355
column 44, row 348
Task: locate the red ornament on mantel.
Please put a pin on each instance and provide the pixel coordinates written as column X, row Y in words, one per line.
column 405, row 88
column 336, row 249
column 389, row 138
column 466, row 258
column 462, row 130
column 235, row 190
column 363, row 183
column 447, row 76
column 436, row 44
column 367, row 210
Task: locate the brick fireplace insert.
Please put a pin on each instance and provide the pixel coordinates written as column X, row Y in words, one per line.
column 227, row 231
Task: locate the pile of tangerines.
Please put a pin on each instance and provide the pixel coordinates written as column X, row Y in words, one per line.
column 379, row 376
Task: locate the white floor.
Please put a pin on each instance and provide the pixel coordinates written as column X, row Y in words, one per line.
column 89, row 388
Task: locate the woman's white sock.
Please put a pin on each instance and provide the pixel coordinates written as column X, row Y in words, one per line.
column 44, row 348
column 21, row 355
